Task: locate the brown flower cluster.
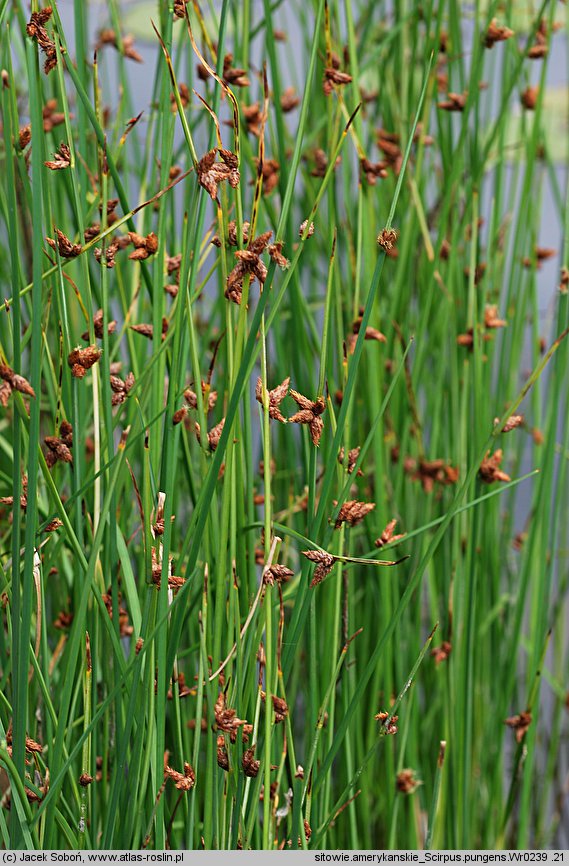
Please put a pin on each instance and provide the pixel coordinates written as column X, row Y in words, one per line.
column 491, row 322
column 512, row 422
column 35, row 29
column 276, row 396
column 324, row 564
column 234, row 76
column 66, row 248
column 80, row 360
column 370, row 333
column 12, row 381
column 442, row 652
column 496, row 33
column 541, row 255
column 353, row 512
column 250, row 764
column 540, row 47
column 277, row 572
column 529, row 97
column 121, row 388
column 406, row 781
column 213, row 436
column 232, row 234
column 387, row 239
column 454, row 102
column 125, row 628
column 9, row 500
column 108, row 36
column 209, row 397
column 353, row 455
column 98, row 326
column 388, row 536
column 61, row 158
column 388, row 722
column 490, row 468
column 431, row 472
column 148, row 330
column 211, row 173
column 280, row 707
column 183, row 781
column 248, row 262
column 334, row 78
column 59, row 447
column 309, row 413
column 289, row 100
column 519, row 724
column 143, row 246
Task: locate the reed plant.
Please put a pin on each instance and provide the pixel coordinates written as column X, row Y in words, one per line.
column 283, row 439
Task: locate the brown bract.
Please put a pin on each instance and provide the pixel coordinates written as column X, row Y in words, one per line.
column 496, row 33
column 80, row 360
column 211, row 173
column 276, row 396
column 183, row 781
column 520, row 724
column 65, row 247
column 353, row 512
column 388, row 536
column 61, row 159
column 490, row 468
column 310, row 412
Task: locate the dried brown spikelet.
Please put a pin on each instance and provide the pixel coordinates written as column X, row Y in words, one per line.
column 179, row 415
column 110, row 253
column 121, row 388
column 66, row 248
column 270, row 174
column 520, row 724
column 388, row 536
column 276, row 396
column 454, row 102
column 225, row 717
column 253, row 117
column 353, row 512
column 24, row 136
column 302, row 229
column 80, row 360
column 183, row 781
column 222, row 756
column 62, row 158
column 387, row 239
column 373, row 170
column 232, row 234
column 490, row 468
column 496, row 33
column 491, row 318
